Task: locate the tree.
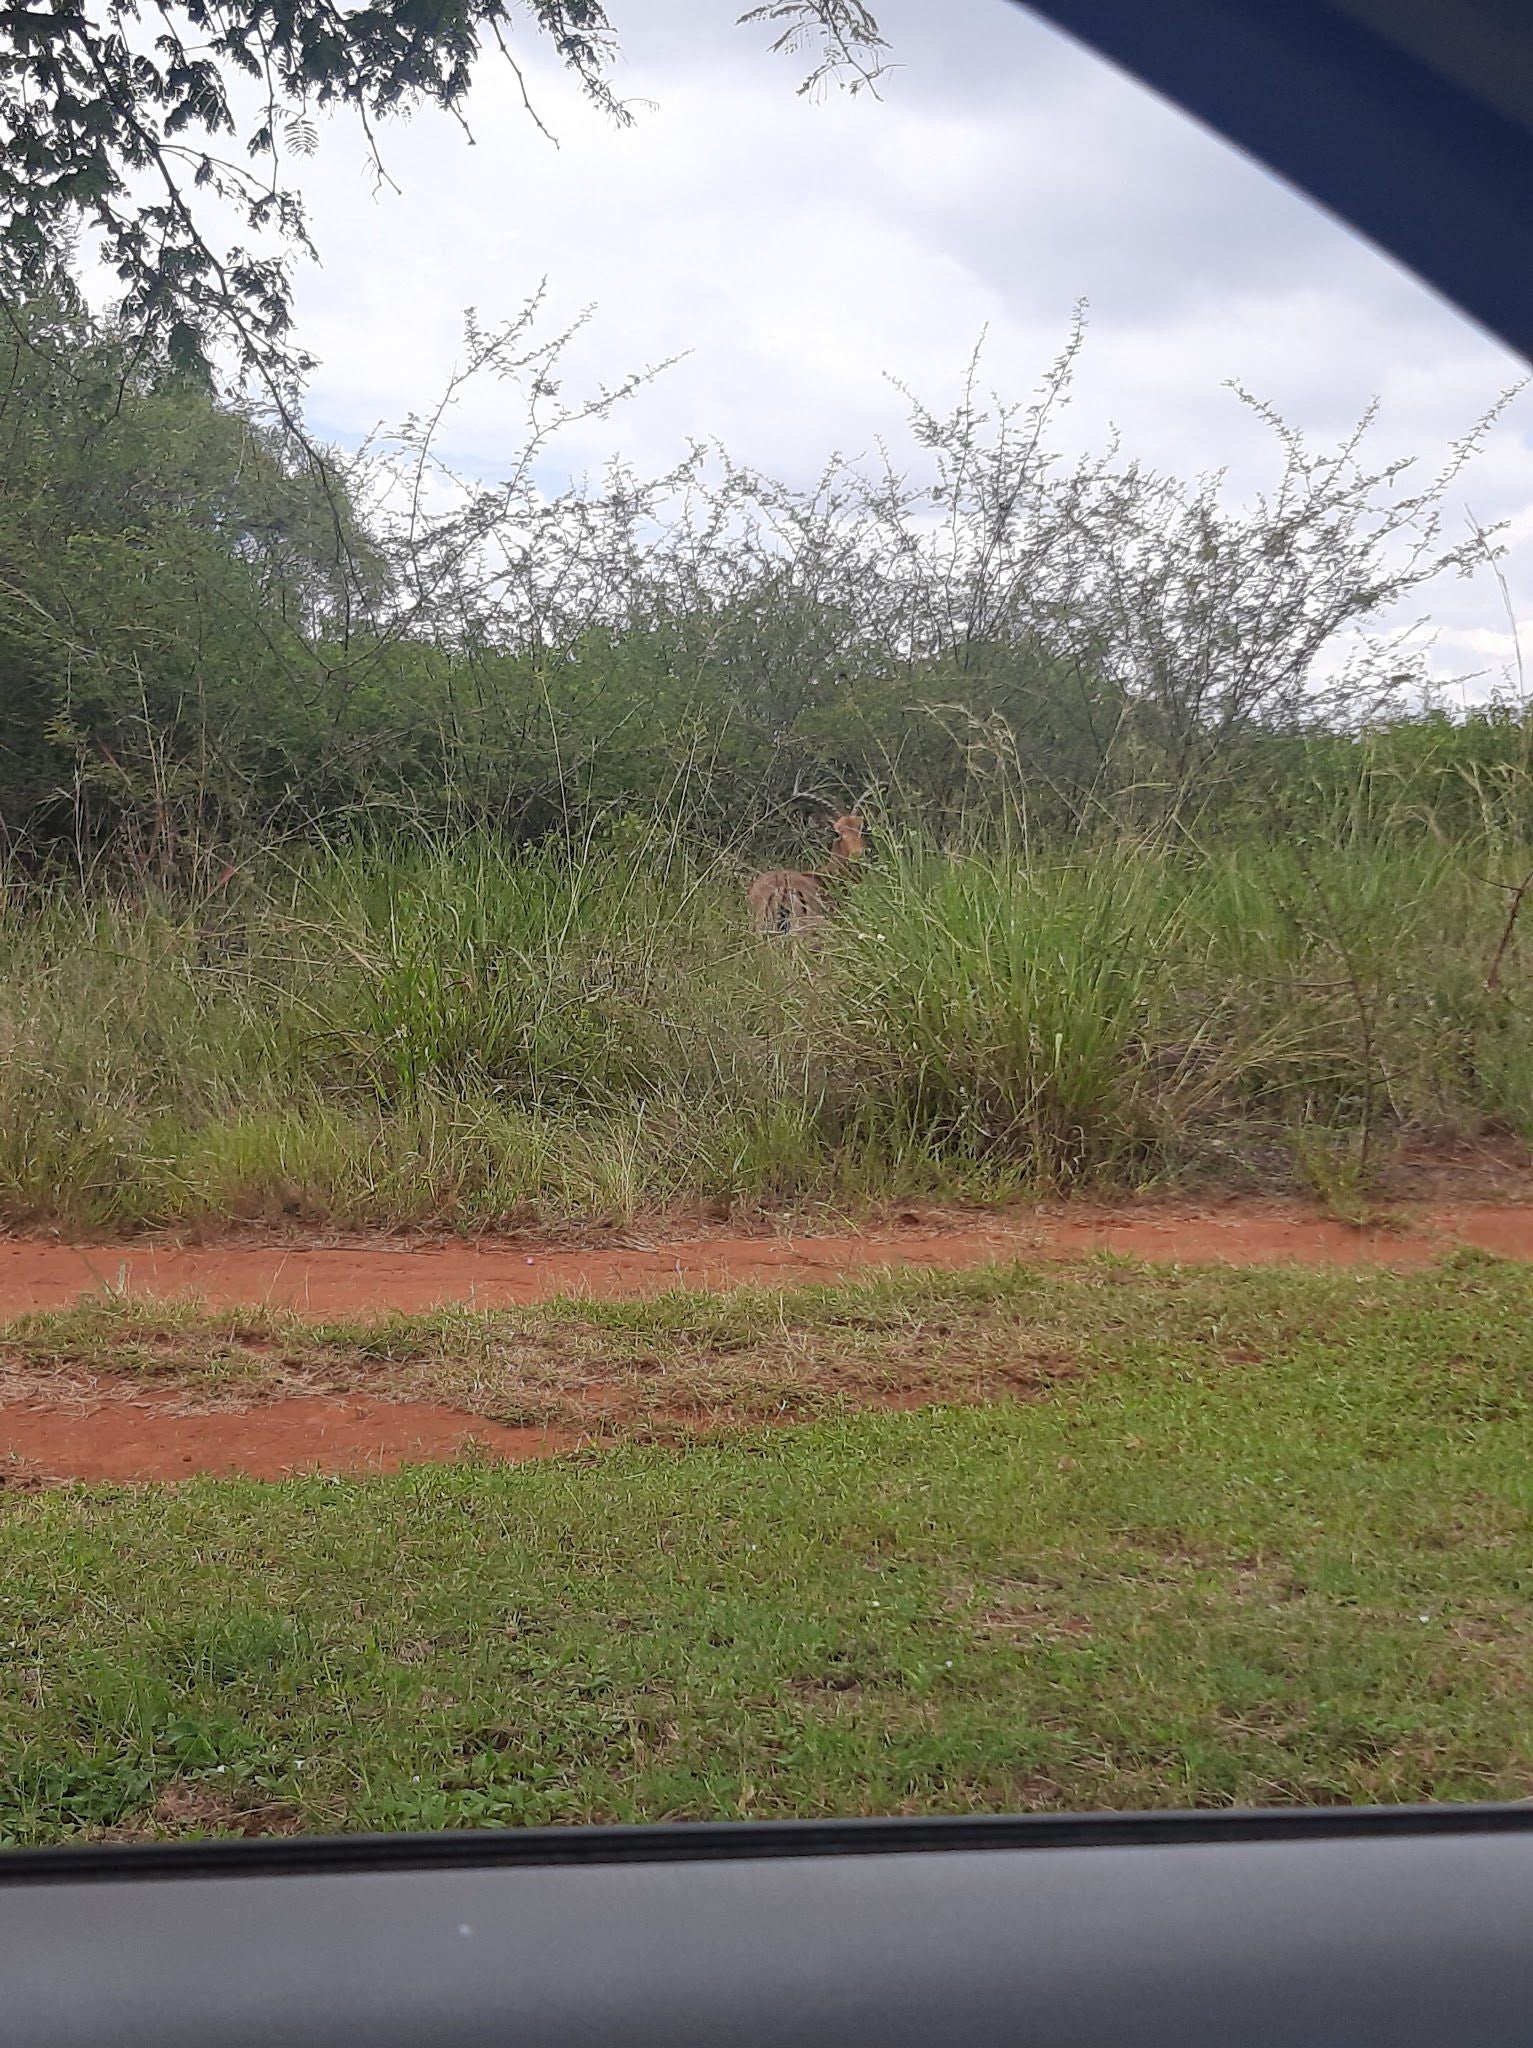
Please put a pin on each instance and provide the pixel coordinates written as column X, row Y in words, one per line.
column 177, row 588
column 129, row 127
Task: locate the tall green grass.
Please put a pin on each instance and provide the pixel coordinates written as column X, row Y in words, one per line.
column 455, row 1033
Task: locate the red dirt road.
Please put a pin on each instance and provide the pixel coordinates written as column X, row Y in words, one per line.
column 149, row 1435
column 371, row 1279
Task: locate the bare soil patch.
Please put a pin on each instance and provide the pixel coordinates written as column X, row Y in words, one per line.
column 325, row 1414
column 153, row 1436
column 360, row 1278
column 189, row 1808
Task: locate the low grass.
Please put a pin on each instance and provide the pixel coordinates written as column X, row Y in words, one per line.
column 1250, row 1537
column 660, row 1368
column 465, row 1036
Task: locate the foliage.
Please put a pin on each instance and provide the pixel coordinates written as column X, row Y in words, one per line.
column 212, row 641
column 172, row 574
column 145, row 136
column 375, row 838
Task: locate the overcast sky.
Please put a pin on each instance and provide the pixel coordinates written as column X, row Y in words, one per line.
column 802, row 252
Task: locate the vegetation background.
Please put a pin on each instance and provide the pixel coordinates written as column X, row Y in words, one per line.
column 375, row 838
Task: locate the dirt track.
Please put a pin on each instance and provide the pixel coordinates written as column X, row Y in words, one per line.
column 369, row 1279
column 150, row 1434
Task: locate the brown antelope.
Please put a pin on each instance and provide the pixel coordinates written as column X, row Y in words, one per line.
column 793, row 901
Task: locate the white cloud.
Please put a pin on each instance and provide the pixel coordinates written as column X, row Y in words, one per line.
column 799, row 251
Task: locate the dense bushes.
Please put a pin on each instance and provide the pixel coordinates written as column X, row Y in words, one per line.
column 214, row 637
column 385, row 865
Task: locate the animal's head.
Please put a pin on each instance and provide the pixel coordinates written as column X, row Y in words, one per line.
column 851, row 836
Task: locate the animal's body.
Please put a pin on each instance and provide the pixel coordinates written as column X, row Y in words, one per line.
column 792, row 900
column 787, row 900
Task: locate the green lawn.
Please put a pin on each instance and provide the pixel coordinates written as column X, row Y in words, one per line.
column 1254, row 1537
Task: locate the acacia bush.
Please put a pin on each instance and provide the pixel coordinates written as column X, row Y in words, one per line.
column 212, row 643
